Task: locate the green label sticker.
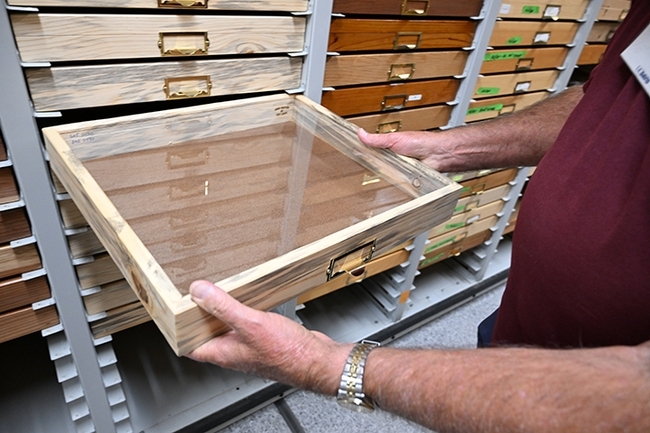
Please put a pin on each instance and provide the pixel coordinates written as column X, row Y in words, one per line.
column 460, row 208
column 488, row 90
column 515, row 40
column 432, row 259
column 530, row 10
column 440, row 244
column 507, row 55
column 485, row 109
column 458, row 177
column 454, row 226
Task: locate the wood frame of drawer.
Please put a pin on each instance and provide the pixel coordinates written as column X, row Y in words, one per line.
column 531, row 33
column 8, row 187
column 18, row 260
column 591, row 54
column 483, row 183
column 23, row 321
column 14, row 225
column 3, row 149
column 488, row 86
column 525, row 59
column 555, row 9
column 17, row 292
column 415, row 119
column 236, row 5
column 457, row 235
column 455, row 249
column 490, row 108
column 468, row 217
column 602, row 31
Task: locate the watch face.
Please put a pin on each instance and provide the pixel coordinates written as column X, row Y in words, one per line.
column 357, row 405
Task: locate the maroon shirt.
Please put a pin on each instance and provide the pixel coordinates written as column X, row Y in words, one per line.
column 580, row 272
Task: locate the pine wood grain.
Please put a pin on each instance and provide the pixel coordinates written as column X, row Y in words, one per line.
column 111, row 295
column 457, row 235
column 518, row 60
column 71, row 216
column 15, row 261
column 236, row 5
column 23, row 321
column 507, row 84
column 524, row 33
column 16, row 292
column 480, row 184
column 14, row 225
column 119, row 319
column 591, row 54
column 416, row 119
column 460, row 8
column 468, row 217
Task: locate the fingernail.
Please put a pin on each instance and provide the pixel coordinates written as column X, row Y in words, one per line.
column 200, row 290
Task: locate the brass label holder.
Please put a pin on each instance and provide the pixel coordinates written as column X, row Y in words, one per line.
column 183, row 43
column 522, row 87
column 524, row 64
column 542, row 38
column 509, row 108
column 401, row 71
column 188, row 87
column 353, row 262
column 407, row 40
column 192, row 4
column 552, row 12
column 386, row 127
column 386, row 104
column 415, row 7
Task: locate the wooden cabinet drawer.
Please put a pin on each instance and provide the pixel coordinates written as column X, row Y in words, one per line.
column 71, row 216
column 507, row 84
column 493, row 194
column 375, row 68
column 18, row 260
column 457, row 235
column 389, row 97
column 556, row 9
column 455, row 249
column 348, row 34
column 525, row 59
column 480, row 184
column 416, row 119
column 62, row 88
column 591, row 54
column 468, row 217
column 613, row 10
column 602, row 32
column 8, row 188
column 493, row 107
column 513, row 33
column 461, row 8
column 67, row 37
column 19, row 292
column 23, row 321
column 378, row 206
column 14, row 225
column 197, row 5
column 3, row 149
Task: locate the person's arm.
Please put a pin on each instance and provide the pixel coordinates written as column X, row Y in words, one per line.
column 517, row 139
column 486, row 390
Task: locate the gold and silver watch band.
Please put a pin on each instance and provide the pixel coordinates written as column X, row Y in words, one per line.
column 350, row 392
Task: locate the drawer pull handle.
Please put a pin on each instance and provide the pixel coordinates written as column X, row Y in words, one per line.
column 401, row 71
column 386, row 127
column 183, row 43
column 407, row 40
column 524, row 64
column 415, row 7
column 187, row 87
column 199, row 4
column 386, row 104
column 353, row 262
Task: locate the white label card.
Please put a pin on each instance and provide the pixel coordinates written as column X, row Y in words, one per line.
column 505, row 9
column 637, row 57
column 542, row 38
column 414, row 97
column 552, row 11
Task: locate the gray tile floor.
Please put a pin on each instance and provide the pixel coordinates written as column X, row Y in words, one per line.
column 319, row 414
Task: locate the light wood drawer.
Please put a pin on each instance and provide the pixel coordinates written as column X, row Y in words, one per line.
column 62, row 88
column 389, row 97
column 110, row 296
column 514, row 33
column 614, row 10
column 496, row 85
column 556, row 9
column 472, row 202
column 591, row 54
column 480, row 184
column 457, row 235
column 18, row 260
column 197, row 5
column 461, row 8
column 455, row 249
column 8, row 188
column 102, row 270
column 71, row 216
column 119, row 319
column 416, row 119
column 525, row 59
column 357, row 69
column 490, row 108
column 23, row 321
column 3, row 149
column 602, row 32
column 468, row 217
column 349, row 34
column 512, row 220
column 67, row 37
column 18, row 292
column 14, row 225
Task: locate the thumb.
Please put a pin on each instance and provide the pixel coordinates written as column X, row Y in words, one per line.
column 373, row 140
column 220, row 304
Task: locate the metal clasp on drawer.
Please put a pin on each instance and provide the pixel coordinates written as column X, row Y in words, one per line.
column 524, row 64
column 401, row 71
column 353, row 262
column 183, row 43
column 415, row 7
column 407, row 40
column 195, row 4
column 386, row 127
column 187, row 87
column 386, row 105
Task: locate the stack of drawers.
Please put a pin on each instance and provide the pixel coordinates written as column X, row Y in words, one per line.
column 611, row 13
column 529, row 44
column 24, row 290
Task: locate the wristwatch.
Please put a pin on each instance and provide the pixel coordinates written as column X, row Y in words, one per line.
column 350, row 394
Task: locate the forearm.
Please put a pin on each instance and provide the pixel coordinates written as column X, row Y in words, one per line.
column 529, row 390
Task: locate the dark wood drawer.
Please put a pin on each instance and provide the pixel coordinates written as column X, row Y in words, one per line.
column 14, row 225
column 237, row 5
column 525, row 59
column 459, row 8
column 8, row 189
column 3, row 149
column 389, row 97
column 23, row 321
column 18, row 292
column 348, row 34
column 591, row 54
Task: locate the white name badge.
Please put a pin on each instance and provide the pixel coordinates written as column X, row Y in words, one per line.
column 637, row 57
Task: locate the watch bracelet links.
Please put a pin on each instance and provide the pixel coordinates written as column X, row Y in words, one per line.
column 352, row 377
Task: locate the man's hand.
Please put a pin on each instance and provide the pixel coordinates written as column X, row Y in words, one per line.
column 268, row 344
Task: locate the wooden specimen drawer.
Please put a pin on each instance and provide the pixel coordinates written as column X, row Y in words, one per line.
column 556, row 9
column 3, row 149
column 480, row 184
column 508, row 84
column 613, row 10
column 357, row 69
column 457, row 235
column 8, row 188
column 461, row 8
column 389, row 97
column 472, row 202
column 18, row 260
column 455, row 249
column 62, row 88
column 525, row 59
column 237, row 5
column 14, row 225
column 416, row 119
column 591, row 54
column 67, row 37
column 334, row 218
column 18, row 292
column 602, row 32
column 349, row 34
column 513, row 33
column 71, row 215
column 23, row 321
column 468, row 217
column 494, row 107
